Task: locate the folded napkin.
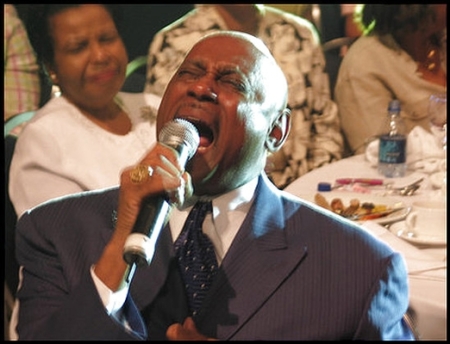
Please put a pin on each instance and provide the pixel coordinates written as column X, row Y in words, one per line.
column 417, row 261
column 422, row 152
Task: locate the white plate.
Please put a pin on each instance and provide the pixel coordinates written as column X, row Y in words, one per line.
column 346, row 197
column 437, row 179
column 399, row 229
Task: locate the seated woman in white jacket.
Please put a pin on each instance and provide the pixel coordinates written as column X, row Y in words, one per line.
column 82, row 139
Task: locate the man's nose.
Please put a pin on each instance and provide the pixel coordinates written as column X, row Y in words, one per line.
column 203, row 89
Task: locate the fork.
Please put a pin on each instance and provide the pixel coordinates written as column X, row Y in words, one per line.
column 406, row 190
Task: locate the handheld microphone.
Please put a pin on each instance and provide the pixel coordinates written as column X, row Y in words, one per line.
column 139, row 247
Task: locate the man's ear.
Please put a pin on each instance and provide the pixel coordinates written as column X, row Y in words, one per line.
column 279, row 131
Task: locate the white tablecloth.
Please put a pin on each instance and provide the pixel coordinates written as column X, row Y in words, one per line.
column 427, row 265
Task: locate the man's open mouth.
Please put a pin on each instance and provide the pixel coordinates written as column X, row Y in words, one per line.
column 204, row 130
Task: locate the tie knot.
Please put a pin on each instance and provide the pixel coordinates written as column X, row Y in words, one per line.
column 201, row 208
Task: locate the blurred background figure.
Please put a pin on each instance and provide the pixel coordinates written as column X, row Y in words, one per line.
column 315, row 138
column 402, row 54
column 21, row 96
column 22, row 89
column 348, row 12
column 82, row 139
column 337, row 30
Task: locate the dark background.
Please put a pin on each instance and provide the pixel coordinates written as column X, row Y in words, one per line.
column 141, row 22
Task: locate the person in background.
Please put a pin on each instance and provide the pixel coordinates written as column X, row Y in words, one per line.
column 349, row 12
column 22, row 88
column 315, row 137
column 287, row 269
column 337, row 32
column 330, row 20
column 82, row 139
column 401, row 55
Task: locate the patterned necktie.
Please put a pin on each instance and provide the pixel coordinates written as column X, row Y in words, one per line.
column 196, row 257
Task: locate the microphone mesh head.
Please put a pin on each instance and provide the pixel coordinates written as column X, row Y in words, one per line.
column 179, row 133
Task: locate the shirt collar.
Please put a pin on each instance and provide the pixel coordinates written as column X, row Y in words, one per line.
column 237, row 199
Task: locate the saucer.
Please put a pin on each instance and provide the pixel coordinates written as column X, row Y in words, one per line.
column 399, row 229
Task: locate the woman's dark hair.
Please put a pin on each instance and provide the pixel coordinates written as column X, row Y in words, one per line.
column 39, row 31
column 393, row 19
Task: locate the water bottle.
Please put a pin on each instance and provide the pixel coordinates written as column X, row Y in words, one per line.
column 392, row 146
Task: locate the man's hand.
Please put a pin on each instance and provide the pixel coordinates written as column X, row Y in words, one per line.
column 187, row 331
column 162, row 174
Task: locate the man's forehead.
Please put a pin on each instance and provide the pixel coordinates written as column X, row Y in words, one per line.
column 237, row 53
column 232, row 44
column 234, row 64
column 238, row 39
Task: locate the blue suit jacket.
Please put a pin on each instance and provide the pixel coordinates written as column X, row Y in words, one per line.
column 293, row 272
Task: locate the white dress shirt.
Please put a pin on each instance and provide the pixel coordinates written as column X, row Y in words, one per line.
column 229, row 211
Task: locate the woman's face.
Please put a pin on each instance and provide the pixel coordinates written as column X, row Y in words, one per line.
column 90, row 58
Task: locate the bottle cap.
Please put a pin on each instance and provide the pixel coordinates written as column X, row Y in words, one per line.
column 394, row 105
column 322, row 186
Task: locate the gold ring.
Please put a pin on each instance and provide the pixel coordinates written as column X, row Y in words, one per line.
column 140, row 174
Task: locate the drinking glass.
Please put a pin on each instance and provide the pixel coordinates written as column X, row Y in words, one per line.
column 437, row 114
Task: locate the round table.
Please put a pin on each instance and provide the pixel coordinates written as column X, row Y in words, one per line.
column 428, row 287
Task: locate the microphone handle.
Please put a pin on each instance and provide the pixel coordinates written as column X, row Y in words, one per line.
column 140, row 245
column 153, row 216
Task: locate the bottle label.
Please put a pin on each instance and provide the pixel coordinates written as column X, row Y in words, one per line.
column 392, row 149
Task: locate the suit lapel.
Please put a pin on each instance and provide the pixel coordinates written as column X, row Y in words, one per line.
column 258, row 261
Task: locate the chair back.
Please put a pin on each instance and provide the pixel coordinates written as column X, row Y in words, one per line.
column 135, row 79
column 16, row 120
column 333, row 58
